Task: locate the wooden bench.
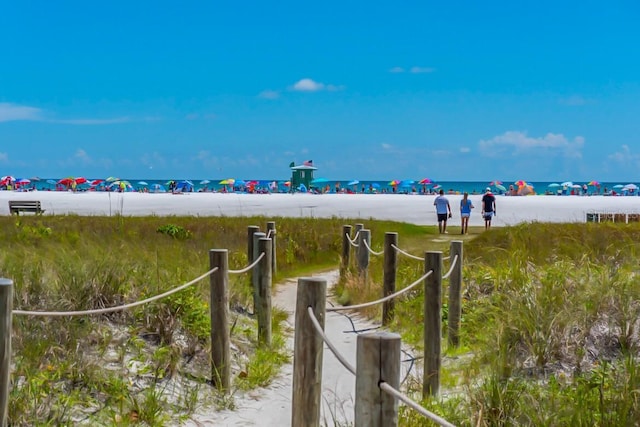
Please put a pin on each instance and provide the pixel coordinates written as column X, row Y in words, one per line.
column 17, row 206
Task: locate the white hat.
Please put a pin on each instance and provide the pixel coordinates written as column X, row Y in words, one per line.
column 488, row 190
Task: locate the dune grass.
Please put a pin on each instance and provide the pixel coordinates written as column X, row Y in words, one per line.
column 148, row 365
column 549, row 326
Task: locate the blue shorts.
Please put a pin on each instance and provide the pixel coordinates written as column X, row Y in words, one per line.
column 488, row 216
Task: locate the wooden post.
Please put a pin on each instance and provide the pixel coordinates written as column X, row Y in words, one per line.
column 263, row 308
column 377, row 359
column 455, row 299
column 389, row 276
column 363, row 254
column 6, row 307
column 219, row 311
column 432, row 324
column 251, row 230
column 271, row 227
column 308, row 352
column 255, row 272
column 356, row 231
column 346, row 250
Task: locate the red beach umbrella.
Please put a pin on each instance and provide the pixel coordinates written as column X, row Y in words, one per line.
column 425, row 181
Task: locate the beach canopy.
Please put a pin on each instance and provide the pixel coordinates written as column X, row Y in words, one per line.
column 354, row 182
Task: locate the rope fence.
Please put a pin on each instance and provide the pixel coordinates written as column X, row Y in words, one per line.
column 371, row 251
column 407, row 254
column 117, row 308
column 381, row 300
column 329, row 344
column 413, row 405
column 262, row 264
column 453, row 264
column 249, row 267
column 353, row 242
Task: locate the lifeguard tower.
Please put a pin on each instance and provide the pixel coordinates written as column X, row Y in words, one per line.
column 301, row 174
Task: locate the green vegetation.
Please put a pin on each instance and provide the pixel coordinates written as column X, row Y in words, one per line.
column 549, row 324
column 549, row 327
column 148, row 365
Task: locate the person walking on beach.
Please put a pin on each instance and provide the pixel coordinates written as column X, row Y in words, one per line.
column 443, row 210
column 465, row 212
column 488, row 207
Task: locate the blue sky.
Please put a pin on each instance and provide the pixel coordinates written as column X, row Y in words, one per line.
column 452, row 90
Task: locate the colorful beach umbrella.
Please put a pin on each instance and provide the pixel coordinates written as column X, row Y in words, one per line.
column 594, row 183
column 496, row 183
column 394, row 182
column 228, row 181
column 520, row 183
column 424, row 181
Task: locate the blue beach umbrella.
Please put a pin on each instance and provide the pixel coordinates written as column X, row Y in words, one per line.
column 354, row 182
column 142, row 183
column 553, row 185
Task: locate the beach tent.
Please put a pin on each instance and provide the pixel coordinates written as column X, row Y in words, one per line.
column 184, row 186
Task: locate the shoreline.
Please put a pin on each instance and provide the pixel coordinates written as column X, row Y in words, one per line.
column 415, row 209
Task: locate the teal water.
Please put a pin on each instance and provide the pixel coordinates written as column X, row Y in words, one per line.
column 471, row 187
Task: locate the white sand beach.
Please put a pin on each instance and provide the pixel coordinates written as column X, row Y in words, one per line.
column 416, row 209
column 272, row 406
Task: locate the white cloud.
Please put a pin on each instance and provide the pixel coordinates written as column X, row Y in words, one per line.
column 4, row 157
column 396, row 70
column 421, row 70
column 13, row 112
column 82, row 156
column 90, row 122
column 308, row 85
column 516, row 142
column 386, row 146
column 269, row 94
column 465, row 149
column 625, row 158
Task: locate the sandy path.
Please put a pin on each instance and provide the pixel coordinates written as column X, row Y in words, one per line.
column 271, row 406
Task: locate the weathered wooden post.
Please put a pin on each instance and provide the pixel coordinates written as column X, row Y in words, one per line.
column 363, row 254
column 255, row 271
column 308, row 352
column 346, row 250
column 263, row 307
column 6, row 307
column 432, row 324
column 356, row 237
column 455, row 297
column 377, row 360
column 271, row 233
column 251, row 230
column 389, row 275
column 219, row 312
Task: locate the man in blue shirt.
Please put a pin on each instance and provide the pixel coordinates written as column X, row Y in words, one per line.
column 443, row 209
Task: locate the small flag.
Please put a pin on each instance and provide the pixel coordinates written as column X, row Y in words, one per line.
column 308, row 163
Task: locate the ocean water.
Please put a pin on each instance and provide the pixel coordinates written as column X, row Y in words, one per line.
column 403, row 187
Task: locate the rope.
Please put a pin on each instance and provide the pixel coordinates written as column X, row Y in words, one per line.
column 249, row 267
column 371, row 251
column 446, row 258
column 334, row 350
column 406, row 253
column 453, row 264
column 351, row 242
column 387, row 298
column 118, row 308
column 413, row 405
